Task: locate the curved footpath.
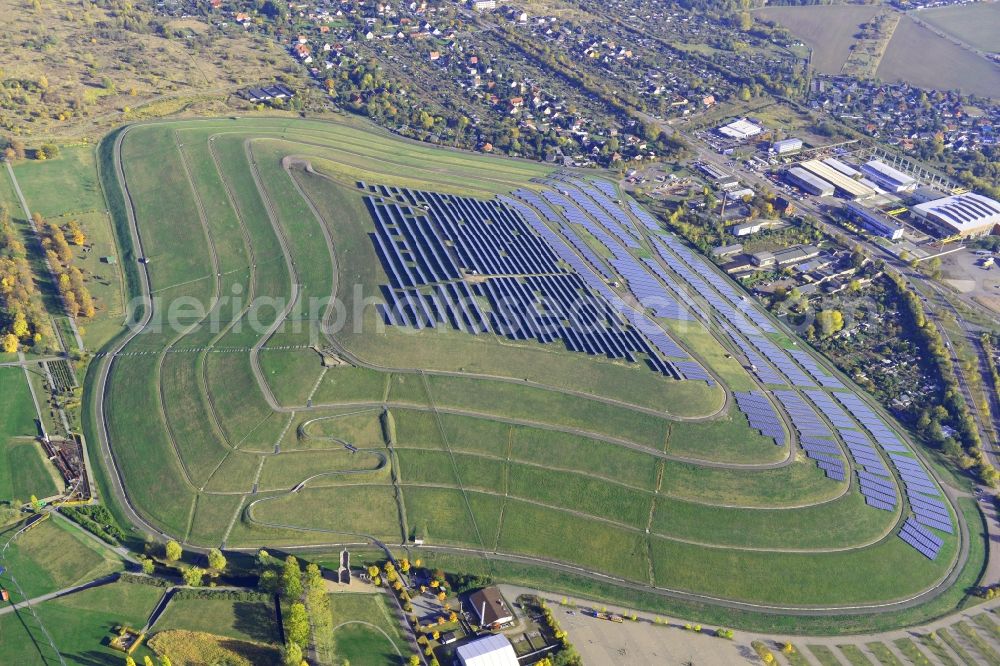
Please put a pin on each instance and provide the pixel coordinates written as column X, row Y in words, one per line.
column 106, row 363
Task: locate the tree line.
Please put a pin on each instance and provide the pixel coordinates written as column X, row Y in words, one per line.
column 22, row 319
column 69, row 279
column 967, row 451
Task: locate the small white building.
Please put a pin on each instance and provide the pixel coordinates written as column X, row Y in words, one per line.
column 494, row 650
column 741, row 129
column 787, row 146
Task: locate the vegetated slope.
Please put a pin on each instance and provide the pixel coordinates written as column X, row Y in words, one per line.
column 227, row 428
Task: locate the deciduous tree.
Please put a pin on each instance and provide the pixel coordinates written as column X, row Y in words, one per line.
column 216, row 560
column 193, row 576
column 173, row 551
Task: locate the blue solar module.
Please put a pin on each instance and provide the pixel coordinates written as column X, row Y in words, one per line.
column 879, row 504
column 645, row 218
column 813, row 368
column 932, row 521
column 923, row 540
column 761, row 415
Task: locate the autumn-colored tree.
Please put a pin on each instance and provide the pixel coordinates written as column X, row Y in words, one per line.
column 291, row 578
column 76, row 233
column 297, row 624
column 173, row 551
column 216, row 560
column 193, row 576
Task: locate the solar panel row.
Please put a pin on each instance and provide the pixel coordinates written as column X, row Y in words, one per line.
column 761, row 415
column 813, row 368
column 658, row 339
column 921, row 492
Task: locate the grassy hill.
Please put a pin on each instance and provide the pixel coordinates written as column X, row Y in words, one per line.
column 227, row 427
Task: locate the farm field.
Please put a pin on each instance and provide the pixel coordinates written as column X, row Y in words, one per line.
column 305, row 422
column 918, row 56
column 828, row 29
column 976, row 24
column 915, row 54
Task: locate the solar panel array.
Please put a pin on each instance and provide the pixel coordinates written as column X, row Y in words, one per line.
column 874, row 480
column 761, row 415
column 546, row 287
column 536, row 287
column 925, row 499
column 647, row 220
column 765, row 373
column 588, row 253
column 814, row 433
column 813, row 368
column 643, row 285
column 921, row 538
column 605, row 187
column 604, row 222
column 731, row 298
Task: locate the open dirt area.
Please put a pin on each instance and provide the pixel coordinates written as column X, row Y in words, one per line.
column 604, row 642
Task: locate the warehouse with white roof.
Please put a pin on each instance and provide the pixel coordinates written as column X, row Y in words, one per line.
column 807, row 182
column 494, row 650
column 741, row 129
column 888, row 178
column 966, row 215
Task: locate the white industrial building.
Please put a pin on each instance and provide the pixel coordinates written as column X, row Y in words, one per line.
column 875, row 221
column 888, row 178
column 851, row 188
column 806, row 181
column 961, row 215
column 494, row 650
column 786, row 146
column 734, row 195
column 845, row 169
column 741, row 129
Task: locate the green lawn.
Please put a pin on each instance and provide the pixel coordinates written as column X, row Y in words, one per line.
column 365, row 633
column 824, row 655
column 844, row 521
column 66, row 184
column 53, row 555
column 728, row 439
column 80, row 625
column 15, row 405
column 855, row 656
column 26, row 472
column 243, row 620
column 350, row 509
column 883, row 654
column 865, row 575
